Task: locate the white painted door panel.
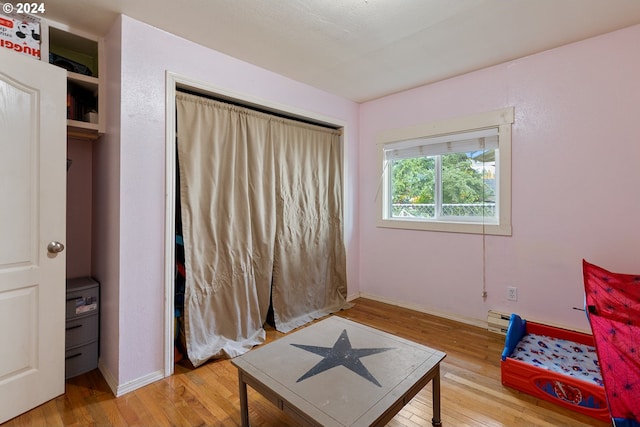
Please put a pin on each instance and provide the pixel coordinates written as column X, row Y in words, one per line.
column 32, row 214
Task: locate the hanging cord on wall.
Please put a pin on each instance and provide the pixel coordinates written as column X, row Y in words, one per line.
column 484, row 235
column 381, row 179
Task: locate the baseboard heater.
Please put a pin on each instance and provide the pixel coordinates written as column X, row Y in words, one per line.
column 498, row 322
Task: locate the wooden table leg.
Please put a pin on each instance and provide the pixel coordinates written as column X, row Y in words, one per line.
column 436, row 421
column 244, row 404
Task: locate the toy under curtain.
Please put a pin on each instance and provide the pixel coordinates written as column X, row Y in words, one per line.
column 613, row 306
column 261, row 206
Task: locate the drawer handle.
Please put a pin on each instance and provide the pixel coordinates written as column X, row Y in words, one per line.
column 72, row 356
column 74, row 327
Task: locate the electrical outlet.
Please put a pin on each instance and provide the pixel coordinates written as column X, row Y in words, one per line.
column 512, row 293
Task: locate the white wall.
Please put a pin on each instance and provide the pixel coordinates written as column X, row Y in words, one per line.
column 576, row 155
column 105, row 245
column 138, row 290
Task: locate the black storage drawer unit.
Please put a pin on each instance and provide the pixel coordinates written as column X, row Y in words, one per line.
column 82, row 297
column 83, row 326
column 81, row 331
column 79, row 360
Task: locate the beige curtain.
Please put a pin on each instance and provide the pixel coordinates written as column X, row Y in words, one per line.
column 261, row 204
column 309, row 277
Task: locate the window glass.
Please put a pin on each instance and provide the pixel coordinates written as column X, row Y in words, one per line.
column 467, row 187
column 413, row 187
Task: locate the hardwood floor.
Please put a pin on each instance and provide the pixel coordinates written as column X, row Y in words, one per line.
column 472, row 394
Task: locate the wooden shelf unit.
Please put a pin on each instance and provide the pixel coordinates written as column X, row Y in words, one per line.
column 79, row 53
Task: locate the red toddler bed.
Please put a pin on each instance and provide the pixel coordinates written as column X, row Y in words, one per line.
column 556, row 365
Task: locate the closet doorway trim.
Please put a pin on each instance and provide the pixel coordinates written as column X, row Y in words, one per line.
column 174, row 82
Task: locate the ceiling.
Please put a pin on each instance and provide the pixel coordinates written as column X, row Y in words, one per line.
column 364, row 49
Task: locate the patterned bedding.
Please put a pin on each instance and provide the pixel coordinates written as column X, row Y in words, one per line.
column 558, row 355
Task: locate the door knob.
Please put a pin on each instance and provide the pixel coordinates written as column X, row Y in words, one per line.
column 55, row 247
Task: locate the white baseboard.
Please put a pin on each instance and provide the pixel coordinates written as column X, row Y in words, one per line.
column 352, row 297
column 422, row 309
column 108, row 377
column 121, row 389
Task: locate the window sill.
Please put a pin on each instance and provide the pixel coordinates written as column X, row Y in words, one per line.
column 443, row 226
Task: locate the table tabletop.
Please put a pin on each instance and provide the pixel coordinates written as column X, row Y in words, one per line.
column 337, row 372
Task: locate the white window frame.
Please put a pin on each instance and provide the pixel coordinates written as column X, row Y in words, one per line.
column 437, row 132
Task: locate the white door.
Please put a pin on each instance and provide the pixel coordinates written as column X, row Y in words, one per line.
column 32, row 215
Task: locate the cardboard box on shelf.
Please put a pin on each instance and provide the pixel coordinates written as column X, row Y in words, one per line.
column 20, row 33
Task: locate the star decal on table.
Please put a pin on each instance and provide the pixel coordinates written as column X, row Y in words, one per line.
column 341, row 354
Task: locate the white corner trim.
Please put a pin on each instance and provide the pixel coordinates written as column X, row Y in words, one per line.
column 108, row 377
column 120, row 389
column 169, row 230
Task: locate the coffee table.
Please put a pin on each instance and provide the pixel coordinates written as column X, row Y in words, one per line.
column 337, row 372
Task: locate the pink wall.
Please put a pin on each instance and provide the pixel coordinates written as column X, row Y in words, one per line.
column 146, row 54
column 574, row 181
column 575, row 184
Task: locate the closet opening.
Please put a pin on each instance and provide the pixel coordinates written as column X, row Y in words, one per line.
column 175, row 270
